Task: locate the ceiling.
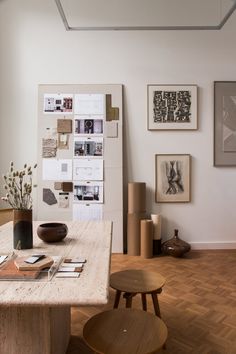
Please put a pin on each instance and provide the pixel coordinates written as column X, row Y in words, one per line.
column 81, row 15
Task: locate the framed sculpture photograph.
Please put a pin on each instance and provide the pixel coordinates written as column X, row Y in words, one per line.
column 172, row 178
column 172, row 107
column 225, row 123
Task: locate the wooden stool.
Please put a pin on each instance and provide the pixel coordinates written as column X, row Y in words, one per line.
column 132, row 282
column 125, row 331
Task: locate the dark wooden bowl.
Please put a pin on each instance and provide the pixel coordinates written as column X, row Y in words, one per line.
column 52, row 231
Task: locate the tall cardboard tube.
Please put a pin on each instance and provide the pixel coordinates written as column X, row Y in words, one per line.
column 146, row 238
column 133, row 233
column 156, row 218
column 136, row 197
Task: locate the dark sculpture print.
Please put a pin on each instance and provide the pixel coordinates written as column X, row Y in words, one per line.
column 174, row 177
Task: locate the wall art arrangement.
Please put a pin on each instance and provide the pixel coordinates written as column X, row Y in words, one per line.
column 172, row 178
column 172, row 107
column 225, row 123
column 80, row 155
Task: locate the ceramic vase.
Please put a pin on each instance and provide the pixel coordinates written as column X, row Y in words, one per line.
column 175, row 246
column 22, row 229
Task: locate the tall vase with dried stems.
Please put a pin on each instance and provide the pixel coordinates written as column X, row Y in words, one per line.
column 18, row 185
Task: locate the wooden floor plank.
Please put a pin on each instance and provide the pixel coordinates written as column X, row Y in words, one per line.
column 198, row 302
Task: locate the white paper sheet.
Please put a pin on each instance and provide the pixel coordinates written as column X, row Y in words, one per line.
column 89, row 104
column 86, row 212
column 57, row 169
column 88, row 169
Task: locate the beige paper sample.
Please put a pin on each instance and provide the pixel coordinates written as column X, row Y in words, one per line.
column 133, row 233
column 156, row 219
column 64, row 126
column 112, row 113
column 146, row 236
column 136, row 197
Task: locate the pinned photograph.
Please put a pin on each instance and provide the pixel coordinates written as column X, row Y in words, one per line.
column 88, row 147
column 89, row 125
column 91, row 192
column 58, row 103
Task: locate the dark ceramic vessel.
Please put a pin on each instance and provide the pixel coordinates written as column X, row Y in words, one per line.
column 22, row 229
column 175, row 246
column 52, row 232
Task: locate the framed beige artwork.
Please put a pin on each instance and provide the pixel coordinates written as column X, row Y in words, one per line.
column 224, row 123
column 172, row 182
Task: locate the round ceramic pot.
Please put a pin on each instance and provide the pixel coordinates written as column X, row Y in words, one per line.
column 52, row 232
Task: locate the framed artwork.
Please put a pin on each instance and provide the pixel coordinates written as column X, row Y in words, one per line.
column 225, row 123
column 172, row 107
column 172, row 178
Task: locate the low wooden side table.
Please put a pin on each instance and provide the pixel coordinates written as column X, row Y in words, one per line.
column 135, row 281
column 126, row 331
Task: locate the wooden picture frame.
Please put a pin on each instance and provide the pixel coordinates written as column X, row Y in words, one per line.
column 172, row 107
column 172, row 178
column 224, row 123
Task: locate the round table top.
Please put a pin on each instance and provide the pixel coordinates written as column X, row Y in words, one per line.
column 125, row 331
column 136, row 281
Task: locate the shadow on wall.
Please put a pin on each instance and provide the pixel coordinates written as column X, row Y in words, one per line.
column 5, row 215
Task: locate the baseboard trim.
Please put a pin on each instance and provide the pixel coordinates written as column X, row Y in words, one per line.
column 213, row 245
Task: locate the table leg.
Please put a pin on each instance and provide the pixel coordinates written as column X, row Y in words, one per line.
column 34, row 330
column 117, row 299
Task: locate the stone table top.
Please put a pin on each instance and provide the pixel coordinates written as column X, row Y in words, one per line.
column 90, row 240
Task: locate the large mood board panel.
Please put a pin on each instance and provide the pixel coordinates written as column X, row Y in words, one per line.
column 80, row 171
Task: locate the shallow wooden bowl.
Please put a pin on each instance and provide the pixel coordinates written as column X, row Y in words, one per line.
column 52, row 232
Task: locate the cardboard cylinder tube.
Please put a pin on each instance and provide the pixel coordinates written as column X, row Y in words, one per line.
column 136, row 197
column 146, row 235
column 133, row 233
column 156, row 219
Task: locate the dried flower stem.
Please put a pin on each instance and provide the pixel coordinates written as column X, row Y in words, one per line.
column 18, row 186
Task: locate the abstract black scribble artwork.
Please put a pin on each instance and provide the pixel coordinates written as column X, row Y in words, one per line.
column 173, row 170
column 172, row 106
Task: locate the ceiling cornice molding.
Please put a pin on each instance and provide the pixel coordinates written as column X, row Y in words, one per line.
column 145, row 28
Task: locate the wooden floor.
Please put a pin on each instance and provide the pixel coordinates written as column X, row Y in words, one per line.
column 198, row 302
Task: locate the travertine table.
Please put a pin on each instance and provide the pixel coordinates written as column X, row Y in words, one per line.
column 35, row 315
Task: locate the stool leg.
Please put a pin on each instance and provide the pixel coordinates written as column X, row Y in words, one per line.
column 144, row 302
column 128, row 297
column 117, row 299
column 156, row 304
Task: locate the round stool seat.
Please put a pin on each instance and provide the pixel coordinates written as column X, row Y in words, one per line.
column 136, row 281
column 125, row 331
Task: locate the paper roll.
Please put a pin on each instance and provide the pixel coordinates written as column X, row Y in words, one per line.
column 146, row 235
column 156, row 219
column 133, row 233
column 136, row 197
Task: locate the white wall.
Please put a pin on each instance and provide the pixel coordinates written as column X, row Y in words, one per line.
column 36, row 49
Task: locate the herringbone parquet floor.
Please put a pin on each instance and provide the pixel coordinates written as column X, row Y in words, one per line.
column 198, row 302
